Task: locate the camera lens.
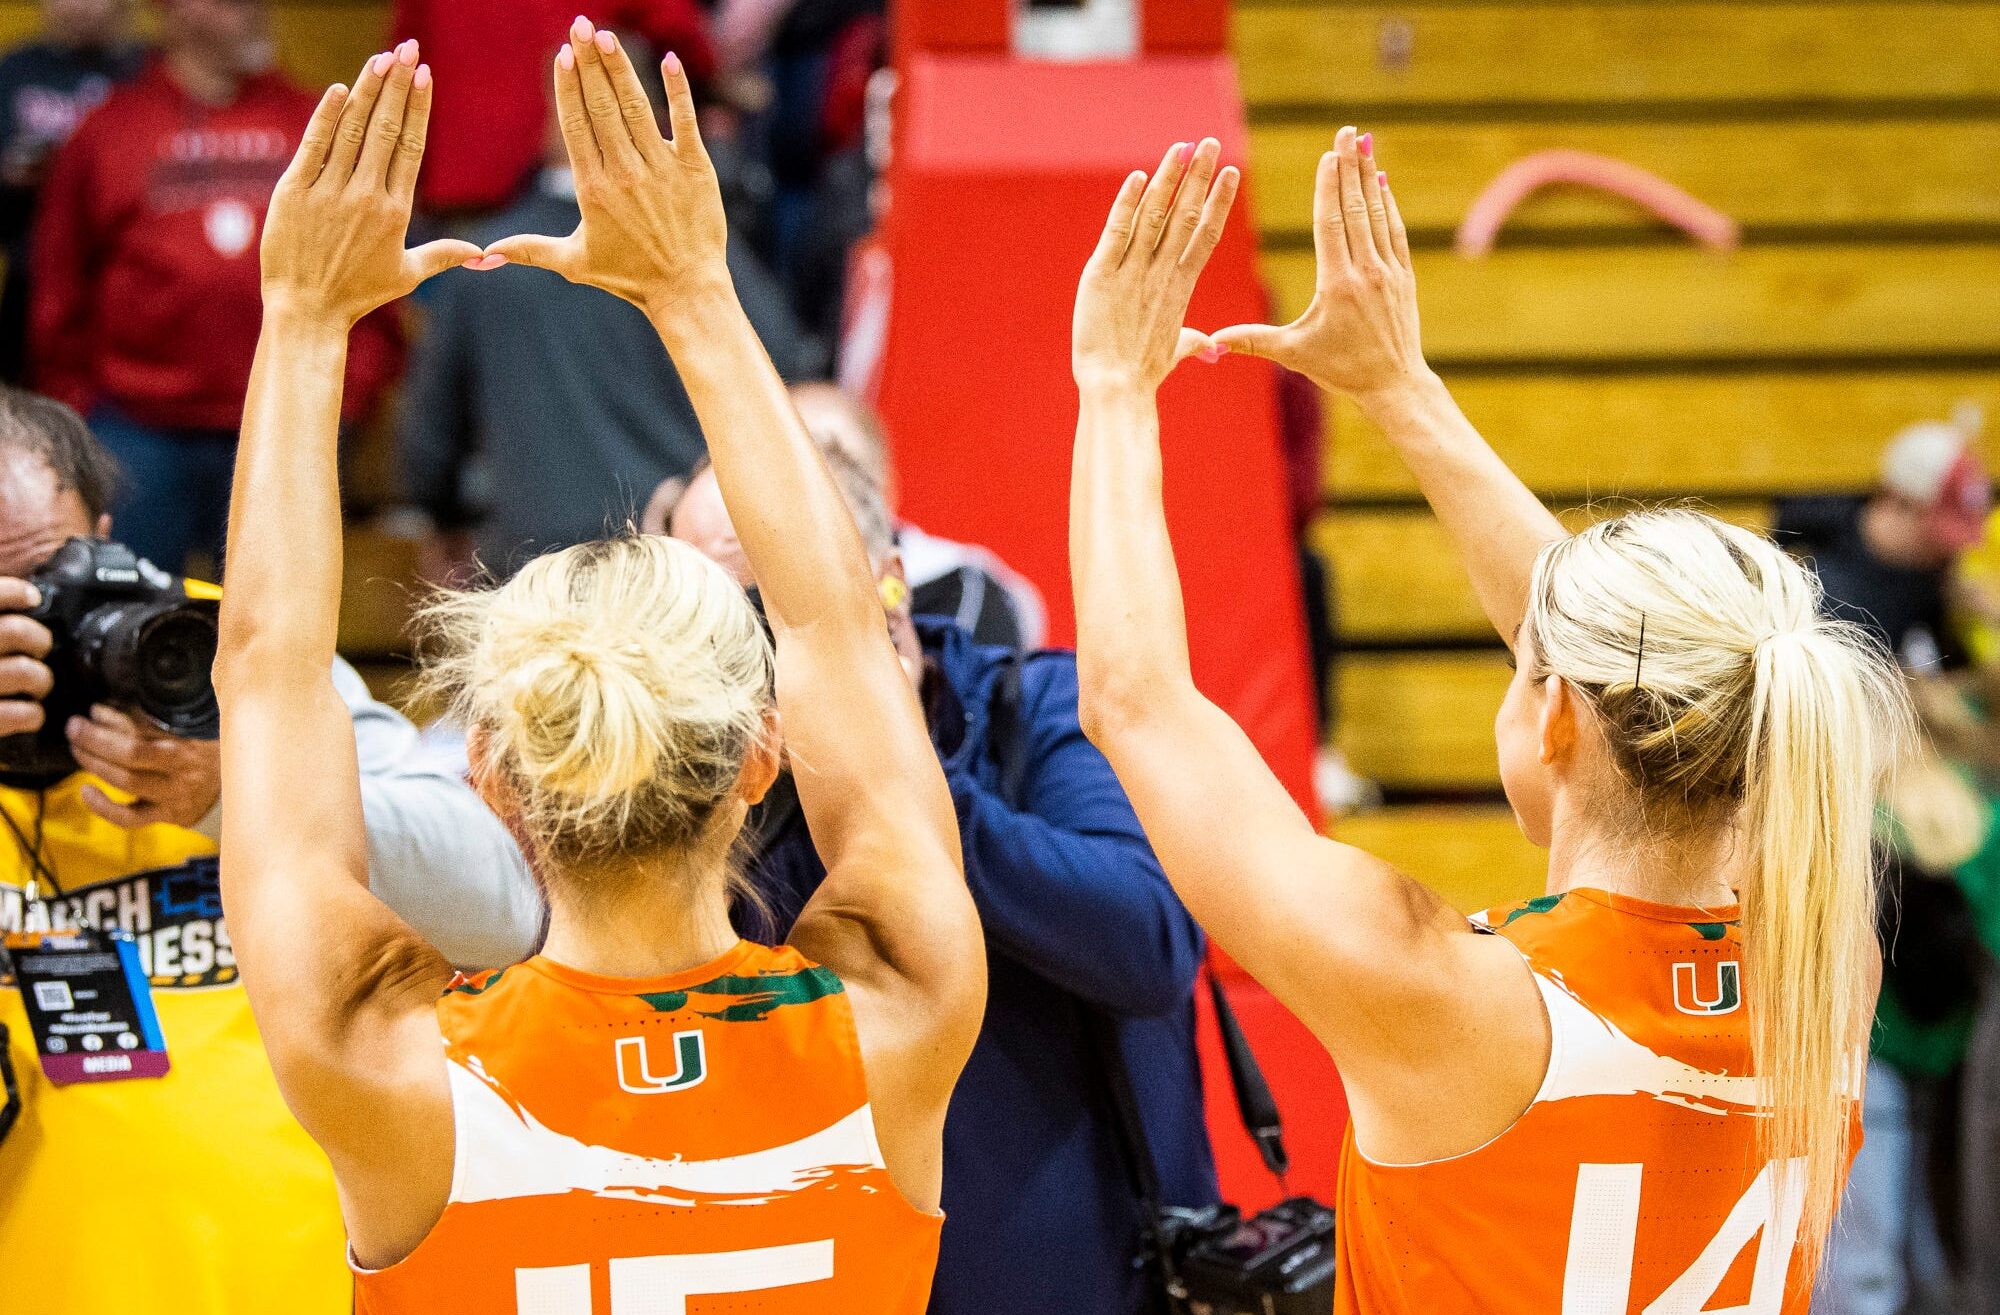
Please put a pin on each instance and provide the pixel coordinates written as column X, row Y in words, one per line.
column 157, row 657
column 176, row 652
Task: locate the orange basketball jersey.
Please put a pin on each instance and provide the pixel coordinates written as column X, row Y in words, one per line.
column 1632, row 1184
column 699, row 1144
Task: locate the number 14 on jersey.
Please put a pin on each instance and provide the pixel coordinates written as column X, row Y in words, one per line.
column 1604, row 1232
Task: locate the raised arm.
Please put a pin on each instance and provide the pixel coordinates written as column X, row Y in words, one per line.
column 341, row 987
column 1360, row 337
column 893, row 916
column 1371, row 961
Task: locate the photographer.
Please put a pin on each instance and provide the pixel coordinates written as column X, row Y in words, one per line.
column 194, row 1191
column 1083, row 936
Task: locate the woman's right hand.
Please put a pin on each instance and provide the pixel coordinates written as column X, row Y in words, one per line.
column 653, row 230
column 1359, row 336
column 332, row 249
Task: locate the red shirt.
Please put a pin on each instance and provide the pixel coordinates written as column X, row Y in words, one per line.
column 489, row 115
column 146, row 286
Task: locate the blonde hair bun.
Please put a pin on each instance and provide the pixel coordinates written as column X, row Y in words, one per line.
column 618, row 686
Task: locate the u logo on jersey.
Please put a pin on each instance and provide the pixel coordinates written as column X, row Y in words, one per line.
column 1726, row 998
column 636, row 1076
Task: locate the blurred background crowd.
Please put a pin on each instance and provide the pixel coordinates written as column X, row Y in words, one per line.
column 1827, row 379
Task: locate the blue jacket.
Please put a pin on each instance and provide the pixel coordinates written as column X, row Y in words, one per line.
column 1039, row 1212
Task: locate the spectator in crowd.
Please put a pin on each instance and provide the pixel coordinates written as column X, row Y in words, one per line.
column 1979, row 1098
column 145, row 306
column 962, row 582
column 1885, row 560
column 1958, row 714
column 1086, row 946
column 819, row 56
column 195, row 1191
column 492, row 62
column 46, row 87
column 1888, row 1256
column 557, row 394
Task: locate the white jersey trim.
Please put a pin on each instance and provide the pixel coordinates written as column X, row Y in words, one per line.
column 504, row 1152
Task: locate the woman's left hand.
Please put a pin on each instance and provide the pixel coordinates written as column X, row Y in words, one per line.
column 333, row 238
column 1135, row 290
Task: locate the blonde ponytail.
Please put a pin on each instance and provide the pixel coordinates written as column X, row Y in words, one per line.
column 1728, row 703
column 1810, row 945
column 618, row 687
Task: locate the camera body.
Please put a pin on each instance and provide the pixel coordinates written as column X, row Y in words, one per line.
column 1278, row 1262
column 125, row 633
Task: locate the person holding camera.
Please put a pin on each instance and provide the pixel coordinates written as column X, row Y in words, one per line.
column 194, row 1189
column 1091, row 958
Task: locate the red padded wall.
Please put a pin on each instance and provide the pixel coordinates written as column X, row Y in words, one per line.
column 1002, row 174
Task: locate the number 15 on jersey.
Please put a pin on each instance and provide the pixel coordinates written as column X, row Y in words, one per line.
column 661, row 1285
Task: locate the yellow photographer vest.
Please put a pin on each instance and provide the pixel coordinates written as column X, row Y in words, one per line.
column 195, row 1192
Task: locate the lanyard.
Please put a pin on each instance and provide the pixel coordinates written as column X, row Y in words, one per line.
column 32, row 850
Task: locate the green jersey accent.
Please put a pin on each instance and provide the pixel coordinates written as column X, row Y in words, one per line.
column 759, row 995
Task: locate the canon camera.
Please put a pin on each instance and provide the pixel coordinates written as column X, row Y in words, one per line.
column 125, row 633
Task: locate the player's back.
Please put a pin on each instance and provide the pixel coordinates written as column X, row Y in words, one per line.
column 700, row 1143
column 1633, row 1182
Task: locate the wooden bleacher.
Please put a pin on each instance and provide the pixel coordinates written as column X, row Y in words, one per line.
column 1858, row 146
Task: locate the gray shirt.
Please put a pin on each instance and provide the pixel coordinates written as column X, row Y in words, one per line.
column 562, row 393
column 436, row 854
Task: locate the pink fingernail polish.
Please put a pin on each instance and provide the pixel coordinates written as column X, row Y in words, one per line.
column 566, row 57
column 406, row 54
column 672, row 63
column 1184, row 152
column 605, row 42
column 1382, row 178
column 383, row 63
column 1366, row 142
column 491, row 260
column 423, row 78
column 1213, row 352
column 584, row 28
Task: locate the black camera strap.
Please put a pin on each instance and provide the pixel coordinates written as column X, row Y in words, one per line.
column 1008, row 742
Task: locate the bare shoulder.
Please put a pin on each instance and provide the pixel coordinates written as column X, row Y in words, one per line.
column 395, row 1150
column 916, row 1015
column 1461, row 1060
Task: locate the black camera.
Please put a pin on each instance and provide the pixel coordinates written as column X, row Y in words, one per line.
column 1278, row 1262
column 126, row 633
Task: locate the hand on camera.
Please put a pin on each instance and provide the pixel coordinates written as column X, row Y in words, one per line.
column 1359, row 336
column 169, row 779
column 333, row 239
column 25, row 680
column 1135, row 290
column 653, row 230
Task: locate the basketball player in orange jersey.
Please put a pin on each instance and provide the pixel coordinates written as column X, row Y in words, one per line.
column 651, row 1116
column 1636, row 1093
